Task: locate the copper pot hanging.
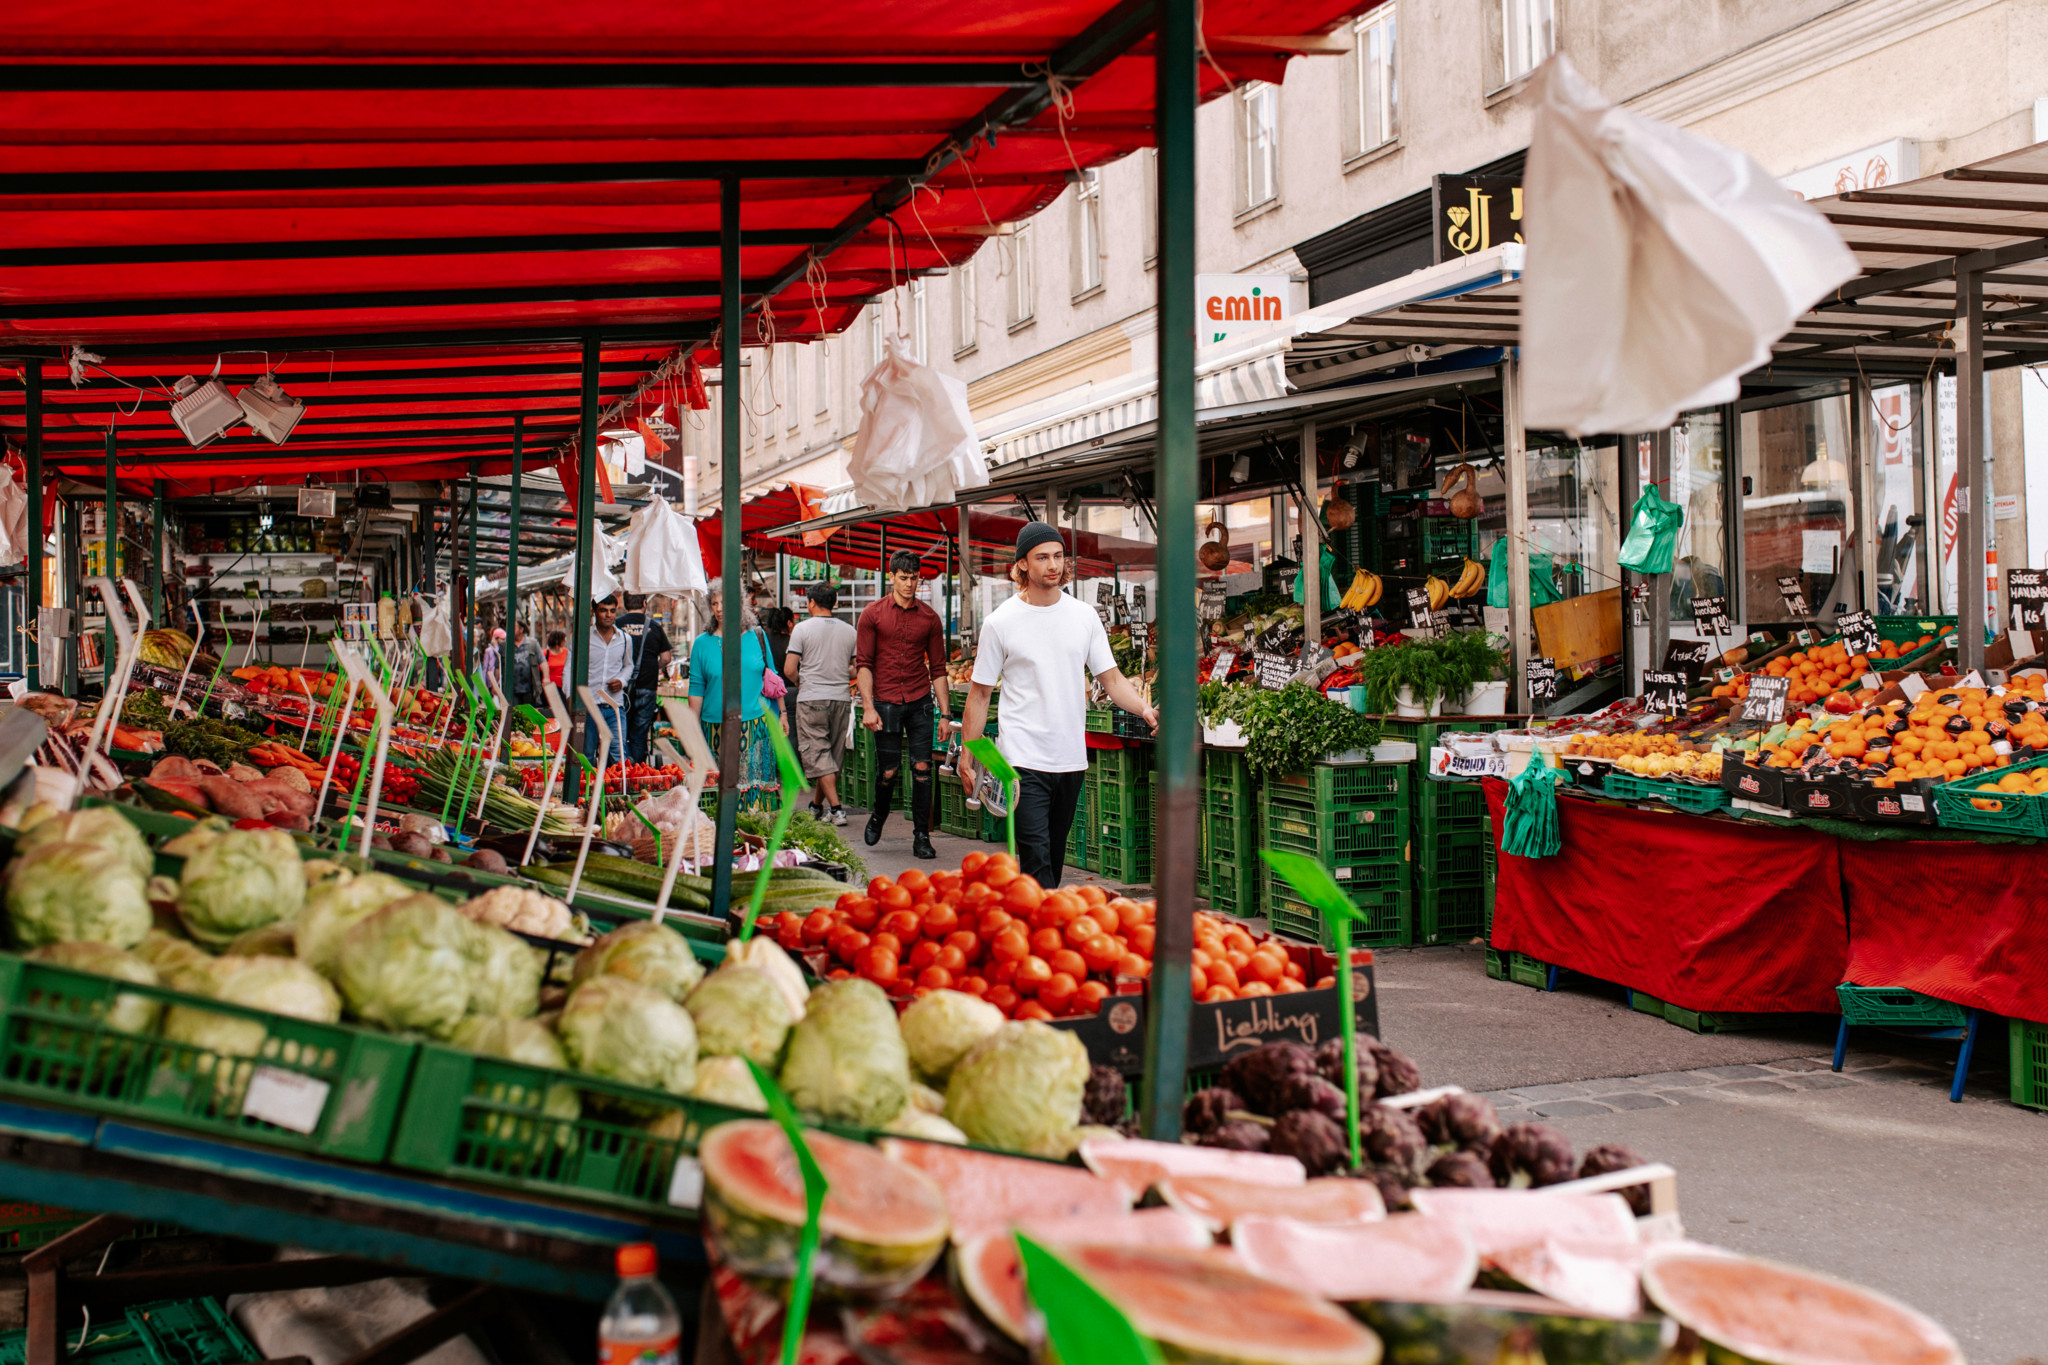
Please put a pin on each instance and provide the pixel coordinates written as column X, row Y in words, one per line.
column 1214, row 553
column 1465, row 501
column 1338, row 513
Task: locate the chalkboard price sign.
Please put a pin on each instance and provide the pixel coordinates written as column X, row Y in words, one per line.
column 1711, row 615
column 2027, row 590
column 1765, row 703
column 1213, row 597
column 1141, row 636
column 1688, row 657
column 1419, row 612
column 1859, row 631
column 1273, row 671
column 1664, row 693
column 1794, row 594
column 1542, row 676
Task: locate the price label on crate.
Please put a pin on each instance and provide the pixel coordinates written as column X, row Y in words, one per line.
column 2027, row 590
column 1688, row 657
column 1859, row 631
column 1273, row 670
column 1794, row 593
column 1765, row 704
column 1225, row 660
column 1711, row 615
column 1214, row 595
column 287, row 1099
column 1542, row 676
column 1664, row 693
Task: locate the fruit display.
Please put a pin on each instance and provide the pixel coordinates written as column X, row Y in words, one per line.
column 1690, row 766
column 1364, row 593
column 1744, row 1307
column 1944, row 734
column 1613, row 748
column 1821, row 669
column 1471, row 578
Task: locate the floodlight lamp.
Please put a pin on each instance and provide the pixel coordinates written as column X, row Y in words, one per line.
column 204, row 412
column 1241, row 468
column 272, row 412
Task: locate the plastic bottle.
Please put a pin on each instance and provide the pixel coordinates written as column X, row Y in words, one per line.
column 387, row 616
column 640, row 1325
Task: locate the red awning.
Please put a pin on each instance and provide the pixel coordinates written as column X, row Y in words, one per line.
column 415, row 213
column 934, row 536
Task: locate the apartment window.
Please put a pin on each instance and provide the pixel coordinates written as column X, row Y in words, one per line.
column 1528, row 36
column 1371, row 87
column 920, row 326
column 787, row 399
column 1023, row 301
column 1087, row 233
column 821, row 380
column 1148, row 161
column 966, row 305
column 875, row 333
column 1258, row 145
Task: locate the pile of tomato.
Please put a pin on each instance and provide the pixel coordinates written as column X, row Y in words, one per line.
column 640, row 776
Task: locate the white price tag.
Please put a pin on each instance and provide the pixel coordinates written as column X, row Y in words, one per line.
column 686, row 1184
column 2021, row 642
column 287, row 1099
column 1971, row 679
column 1872, row 683
column 1343, row 874
column 1912, row 685
column 1913, row 802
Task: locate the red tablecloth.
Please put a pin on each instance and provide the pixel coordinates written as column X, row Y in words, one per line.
column 1707, row 914
column 1958, row 921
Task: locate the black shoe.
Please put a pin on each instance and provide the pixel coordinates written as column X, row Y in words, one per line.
column 921, row 846
column 873, row 833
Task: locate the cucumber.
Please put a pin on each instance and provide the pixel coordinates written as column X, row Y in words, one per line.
column 624, row 874
column 559, row 874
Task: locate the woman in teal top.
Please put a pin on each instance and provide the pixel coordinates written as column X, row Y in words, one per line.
column 758, row 778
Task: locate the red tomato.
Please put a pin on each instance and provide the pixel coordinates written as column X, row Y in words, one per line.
column 1062, row 906
column 845, row 902
column 971, row 866
column 935, row 979
column 923, row 953
column 1223, row 974
column 952, row 959
column 889, row 941
column 1068, row 961
column 864, row 914
column 894, row 898
column 876, row 964
column 877, row 885
column 1288, row 986
column 940, row 920
column 994, row 922
column 1106, row 918
column 1093, row 895
column 1031, row 1009
column 913, row 881
column 1254, row 988
column 1032, row 973
column 1057, row 994
column 1002, row 997
column 905, row 924
column 1022, row 895
column 1003, row 973
column 1141, row 939
column 1324, row 983
column 818, row 926
column 1010, row 945
column 838, row 974
column 974, row 896
column 1198, row 980
column 1102, row 953
column 968, row 943
column 1089, row 997
column 944, row 882
column 847, row 945
column 1266, row 967
column 1293, row 972
column 791, row 943
column 1130, row 964
column 1129, row 915
column 789, row 920
column 999, row 871
column 972, row 985
column 1045, row 942
column 1080, row 930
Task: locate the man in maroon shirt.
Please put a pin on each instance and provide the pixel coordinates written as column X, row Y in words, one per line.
column 899, row 653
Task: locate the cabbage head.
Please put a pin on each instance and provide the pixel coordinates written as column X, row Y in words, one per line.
column 181, row 964
column 1020, row 1089
column 629, row 1033
column 408, row 967
column 192, row 840
column 846, row 1061
column 505, row 982
column 334, row 907
column 280, row 985
column 319, row 870
column 76, row 893
column 941, row 1028
column 726, row 1081
column 243, row 880
column 741, row 1012
column 101, row 826
column 272, row 940
column 919, row 1123
column 520, row 1040
column 126, row 1013
column 652, row 954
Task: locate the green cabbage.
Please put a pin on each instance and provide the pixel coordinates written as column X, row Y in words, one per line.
column 102, row 826
column 334, row 907
column 409, row 967
column 280, row 985
column 1020, row 1089
column 126, row 1012
column 76, row 893
column 243, row 880
column 740, row 1012
column 643, row 951
column 192, row 840
column 726, row 1081
column 520, row 1040
column 846, row 1061
column 318, row 871
column 506, row 980
column 182, row 964
column 272, row 940
column 918, row 1123
column 629, row 1033
column 941, row 1028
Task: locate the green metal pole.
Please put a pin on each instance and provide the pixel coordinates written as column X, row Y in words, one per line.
column 32, row 460
column 156, row 554
column 512, row 564
column 1177, row 465
column 586, row 543
column 469, row 578
column 110, row 547
column 729, row 398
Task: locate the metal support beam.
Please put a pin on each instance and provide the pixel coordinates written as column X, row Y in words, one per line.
column 32, row 463
column 156, row 553
column 511, row 77
column 294, row 179
column 43, row 1265
column 1972, row 499
column 586, row 548
column 1177, row 468
column 1660, row 584
column 665, row 287
column 110, row 550
column 729, row 322
column 468, row 616
column 512, row 566
column 1515, row 453
column 1311, row 541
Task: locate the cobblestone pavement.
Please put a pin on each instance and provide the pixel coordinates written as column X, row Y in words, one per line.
column 1708, row 1085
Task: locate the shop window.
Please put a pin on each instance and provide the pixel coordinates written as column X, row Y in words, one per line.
column 1699, row 484
column 1528, row 35
column 1575, row 515
column 966, row 305
column 1798, row 503
column 1258, row 145
column 1371, row 87
column 1899, row 526
column 920, row 321
column 1023, row 292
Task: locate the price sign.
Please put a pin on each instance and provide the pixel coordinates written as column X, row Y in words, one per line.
column 1766, row 701
column 1102, row 613
column 1794, row 594
column 2027, row 590
column 1213, row 598
column 1273, row 671
column 1419, row 612
column 1688, row 657
column 1138, row 600
column 1664, row 693
column 1220, row 670
column 1141, row 637
column 1542, row 677
column 1711, row 615
column 1639, row 604
column 1859, row 631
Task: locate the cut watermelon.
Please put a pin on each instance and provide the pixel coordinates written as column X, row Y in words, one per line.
column 1407, row 1256
column 992, row 1278
column 988, row 1193
column 1759, row 1311
column 1596, row 1277
column 1500, row 1220
column 1218, row 1201
column 882, row 1225
column 1202, row 1307
column 1138, row 1164
column 1485, row 1327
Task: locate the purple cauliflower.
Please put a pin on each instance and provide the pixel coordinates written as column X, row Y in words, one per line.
column 1313, row 1092
column 1393, row 1192
column 1239, row 1135
column 1391, row 1141
column 1315, row 1140
column 1330, row 1062
column 1609, row 1157
column 1462, row 1121
column 1530, row 1154
column 1208, row 1110
column 1462, row 1169
column 1398, row 1075
column 1263, row 1075
column 1105, row 1101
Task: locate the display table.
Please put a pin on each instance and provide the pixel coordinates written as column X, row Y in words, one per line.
column 1962, row 922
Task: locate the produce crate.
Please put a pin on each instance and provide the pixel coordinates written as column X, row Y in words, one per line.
column 169, row 1332
column 1080, row 836
column 1519, row 968
column 24, row 1226
column 1643, row 1003
column 2029, row 1063
column 954, row 817
column 995, row 829
column 501, row 1122
column 1684, row 795
column 1448, row 538
column 1230, row 864
column 1098, row 720
column 1334, row 836
column 1347, row 786
column 1448, row 913
column 1955, row 805
column 1380, row 890
column 1448, row 808
column 1453, row 860
column 1700, row 1021
column 1897, row 1007
column 330, row 1088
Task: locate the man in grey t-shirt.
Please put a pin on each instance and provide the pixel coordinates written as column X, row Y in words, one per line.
column 819, row 669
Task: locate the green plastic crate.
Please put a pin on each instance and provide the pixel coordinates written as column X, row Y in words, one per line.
column 170, row 1332
column 1448, row 538
column 1080, row 836
column 1334, row 836
column 1643, row 1003
column 1519, row 968
column 954, row 817
column 1706, row 1021
column 1386, row 901
column 1226, row 779
column 2029, row 1063
column 500, row 1122
column 1453, row 860
column 1683, row 795
column 25, row 1225
column 1126, row 866
column 1897, row 1007
column 342, row 1086
column 1955, row 805
column 1448, row 808
column 1448, row 913
column 1130, row 765
column 1099, row 720
column 1346, row 786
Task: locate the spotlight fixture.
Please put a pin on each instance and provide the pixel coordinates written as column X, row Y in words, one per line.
column 204, row 412
column 1241, row 467
column 272, row 412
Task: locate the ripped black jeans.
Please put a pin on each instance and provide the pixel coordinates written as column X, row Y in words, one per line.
column 911, row 727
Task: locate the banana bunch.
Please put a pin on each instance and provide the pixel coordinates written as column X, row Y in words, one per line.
column 1364, row 592
column 1470, row 580
column 165, row 648
column 1439, row 592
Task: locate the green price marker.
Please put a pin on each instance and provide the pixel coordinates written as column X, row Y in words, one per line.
column 1084, row 1327
column 1320, row 889
column 530, row 713
column 989, row 756
column 792, row 784
column 799, row 1311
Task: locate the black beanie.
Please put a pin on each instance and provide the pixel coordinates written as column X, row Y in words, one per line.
column 1036, row 533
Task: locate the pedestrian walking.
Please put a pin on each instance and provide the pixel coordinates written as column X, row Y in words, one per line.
column 900, row 655
column 492, row 662
column 1040, row 645
column 557, row 656
column 527, row 666
column 758, row 776
column 819, row 666
column 611, row 667
column 652, row 652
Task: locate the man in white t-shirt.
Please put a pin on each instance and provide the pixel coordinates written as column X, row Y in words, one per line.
column 1039, row 645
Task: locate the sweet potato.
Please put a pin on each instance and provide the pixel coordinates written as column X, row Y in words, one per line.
column 232, row 798
column 277, row 795
column 184, row 791
column 175, row 769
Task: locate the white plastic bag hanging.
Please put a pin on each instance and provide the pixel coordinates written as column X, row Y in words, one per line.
column 1661, row 265
column 916, row 445
column 662, row 554
column 13, row 518
column 603, row 583
column 437, row 633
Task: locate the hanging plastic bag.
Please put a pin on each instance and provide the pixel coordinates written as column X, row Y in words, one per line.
column 1652, row 533
column 437, row 632
column 1661, row 265
column 662, row 554
column 1542, row 591
column 1529, row 826
column 603, row 583
column 916, row 446
column 1332, row 594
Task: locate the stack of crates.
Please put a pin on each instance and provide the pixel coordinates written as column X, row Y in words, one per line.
column 1353, row 818
column 1228, row 877
column 857, row 769
column 1081, row 835
column 954, row 817
column 1451, row 856
column 1121, row 813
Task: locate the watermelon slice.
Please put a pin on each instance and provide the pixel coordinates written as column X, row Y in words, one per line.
column 1218, row 1201
column 1407, row 1256
column 992, row 1278
column 1138, row 1164
column 1201, row 1307
column 1486, row 1327
column 1500, row 1220
column 986, row 1193
column 1779, row 1315
column 1598, row 1277
column 882, row 1225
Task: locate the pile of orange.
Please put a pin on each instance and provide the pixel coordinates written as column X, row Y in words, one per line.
column 1823, row 669
column 1627, row 746
column 1944, row 734
column 2031, row 782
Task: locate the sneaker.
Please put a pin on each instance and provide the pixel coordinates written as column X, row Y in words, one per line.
column 838, row 815
column 921, row 846
column 873, row 833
